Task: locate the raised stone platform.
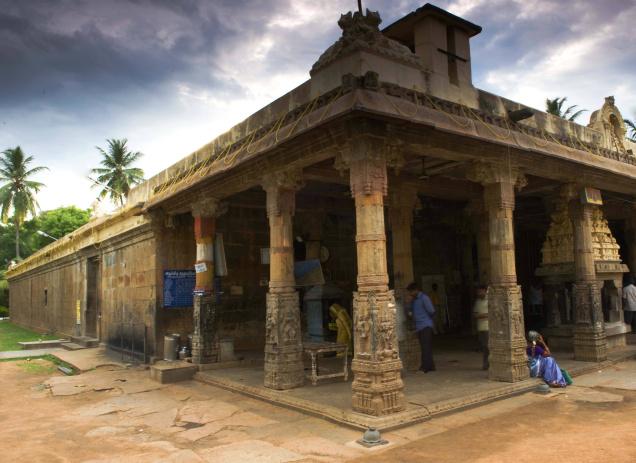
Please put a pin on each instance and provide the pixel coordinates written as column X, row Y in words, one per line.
column 172, row 372
column 561, row 337
column 458, row 383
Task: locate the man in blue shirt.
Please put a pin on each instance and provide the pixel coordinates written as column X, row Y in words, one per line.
column 422, row 310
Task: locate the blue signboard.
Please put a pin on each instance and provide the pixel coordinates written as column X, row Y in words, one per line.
column 177, row 288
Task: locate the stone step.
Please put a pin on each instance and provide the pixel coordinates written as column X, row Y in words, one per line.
column 85, row 341
column 72, row 346
column 30, row 345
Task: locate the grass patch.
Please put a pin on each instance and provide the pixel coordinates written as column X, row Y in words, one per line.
column 38, row 367
column 11, row 335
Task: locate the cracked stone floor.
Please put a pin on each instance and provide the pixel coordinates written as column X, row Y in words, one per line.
column 117, row 414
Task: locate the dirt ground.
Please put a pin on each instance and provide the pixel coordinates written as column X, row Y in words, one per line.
column 113, row 414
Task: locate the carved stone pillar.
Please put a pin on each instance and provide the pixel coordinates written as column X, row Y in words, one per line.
column 505, row 309
column 480, row 222
column 377, row 384
column 630, row 230
column 283, row 345
column 590, row 344
column 204, row 342
column 402, row 201
column 551, row 301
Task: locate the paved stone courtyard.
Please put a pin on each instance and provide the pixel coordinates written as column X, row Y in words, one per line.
column 116, row 414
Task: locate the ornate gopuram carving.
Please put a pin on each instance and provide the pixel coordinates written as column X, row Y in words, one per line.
column 402, row 203
column 580, row 248
column 377, row 385
column 283, row 344
column 204, row 336
column 505, row 309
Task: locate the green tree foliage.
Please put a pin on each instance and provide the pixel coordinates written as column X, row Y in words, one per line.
column 58, row 222
column 18, row 192
column 555, row 107
column 117, row 174
column 631, row 130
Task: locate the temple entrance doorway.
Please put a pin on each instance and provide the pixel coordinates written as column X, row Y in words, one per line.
column 92, row 291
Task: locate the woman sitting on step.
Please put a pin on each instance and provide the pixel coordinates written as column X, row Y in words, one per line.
column 541, row 362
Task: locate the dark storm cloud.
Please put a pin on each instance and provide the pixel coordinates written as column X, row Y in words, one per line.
column 523, row 33
column 63, row 49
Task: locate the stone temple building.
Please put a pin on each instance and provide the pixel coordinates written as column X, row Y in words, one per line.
column 386, row 166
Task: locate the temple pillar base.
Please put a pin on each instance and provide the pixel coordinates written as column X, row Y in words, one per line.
column 590, row 343
column 283, row 348
column 204, row 346
column 377, row 386
column 508, row 360
column 410, row 352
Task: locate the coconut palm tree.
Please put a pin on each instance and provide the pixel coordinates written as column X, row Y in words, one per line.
column 117, row 176
column 631, row 130
column 18, row 193
column 555, row 107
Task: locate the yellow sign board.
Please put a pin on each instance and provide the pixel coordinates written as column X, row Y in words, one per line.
column 78, row 312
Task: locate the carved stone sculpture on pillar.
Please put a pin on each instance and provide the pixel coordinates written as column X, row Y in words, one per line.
column 402, row 203
column 204, row 342
column 377, row 384
column 505, row 309
column 283, row 339
column 590, row 343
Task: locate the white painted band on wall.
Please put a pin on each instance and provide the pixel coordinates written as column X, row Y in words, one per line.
column 205, row 252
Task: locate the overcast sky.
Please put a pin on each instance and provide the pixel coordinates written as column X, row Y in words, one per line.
column 170, row 75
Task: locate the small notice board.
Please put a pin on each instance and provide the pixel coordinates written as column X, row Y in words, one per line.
column 178, row 286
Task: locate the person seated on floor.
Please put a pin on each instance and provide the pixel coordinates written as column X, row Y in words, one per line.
column 342, row 325
column 541, row 362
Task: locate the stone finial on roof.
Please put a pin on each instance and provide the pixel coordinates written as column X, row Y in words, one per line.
column 610, row 123
column 361, row 32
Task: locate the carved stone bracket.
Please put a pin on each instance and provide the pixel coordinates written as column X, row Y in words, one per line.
column 208, row 207
column 281, row 187
column 487, row 173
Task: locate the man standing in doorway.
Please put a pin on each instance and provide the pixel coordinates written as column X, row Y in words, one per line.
column 422, row 310
column 629, row 302
column 480, row 312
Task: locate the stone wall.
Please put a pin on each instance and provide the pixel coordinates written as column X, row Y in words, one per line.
column 128, row 283
column 46, row 300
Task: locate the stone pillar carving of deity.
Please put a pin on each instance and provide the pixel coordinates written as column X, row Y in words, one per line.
column 590, row 344
column 283, row 339
column 377, row 384
column 505, row 309
column 204, row 342
column 402, row 202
